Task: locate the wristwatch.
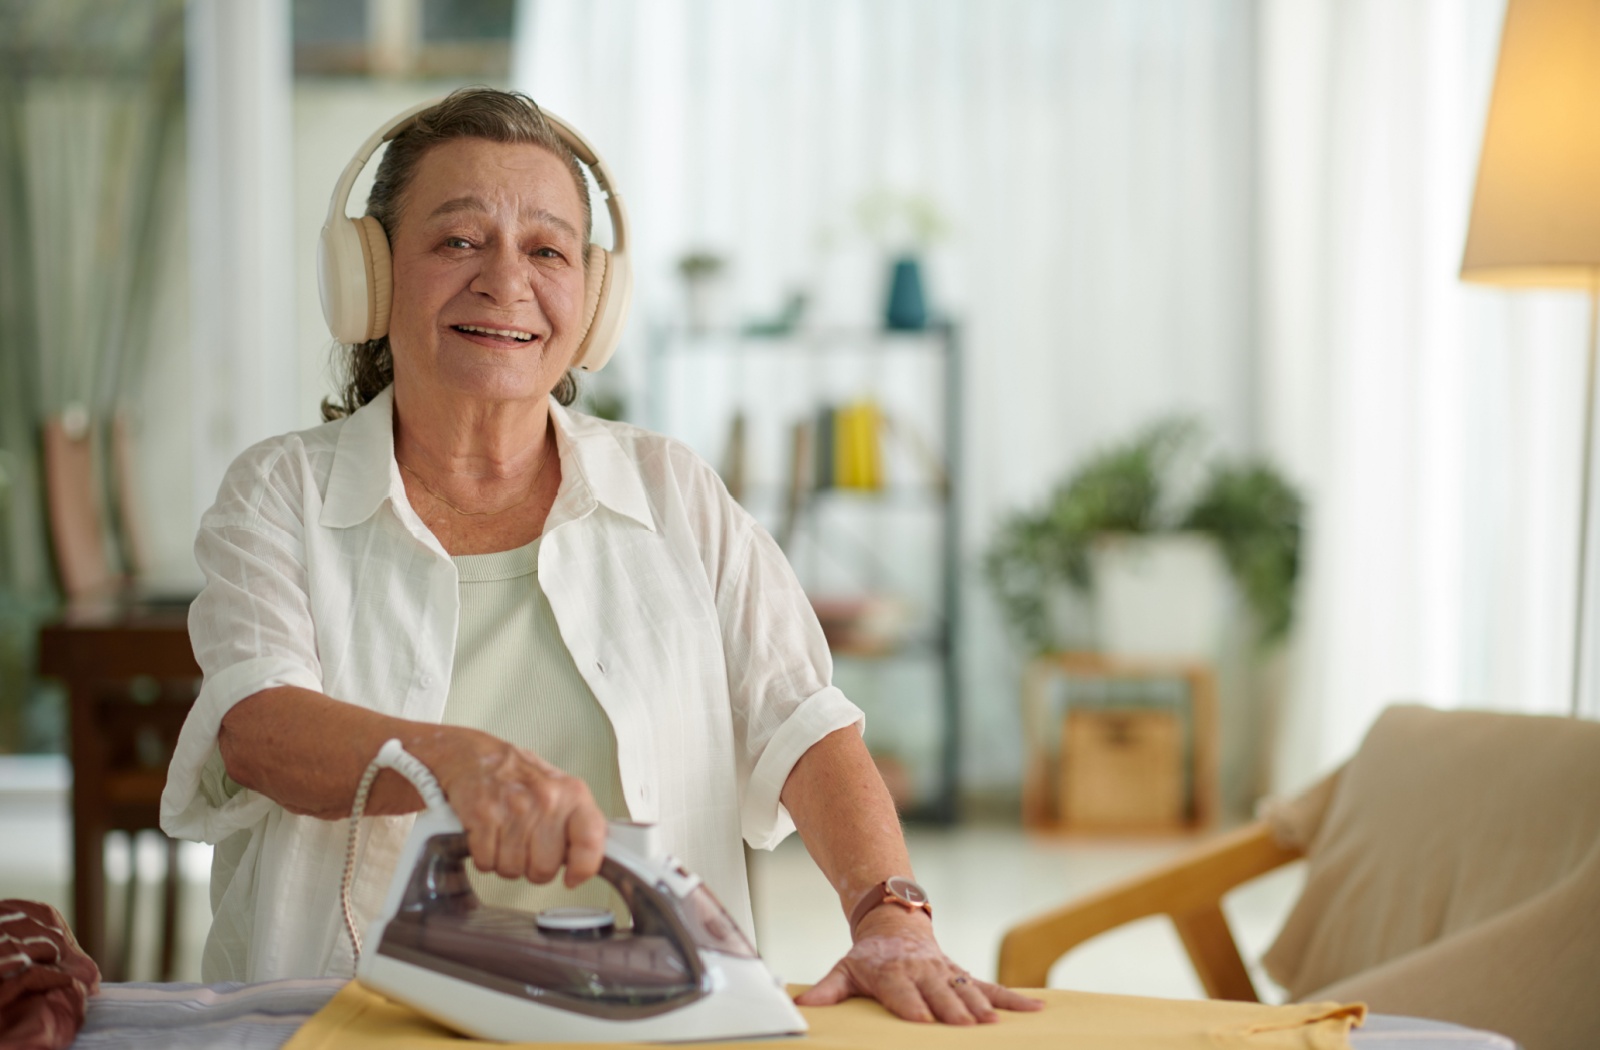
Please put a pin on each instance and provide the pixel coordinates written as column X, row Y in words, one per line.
column 894, row 890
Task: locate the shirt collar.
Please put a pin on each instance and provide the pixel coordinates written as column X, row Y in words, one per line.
column 364, row 469
column 365, row 473
column 594, row 463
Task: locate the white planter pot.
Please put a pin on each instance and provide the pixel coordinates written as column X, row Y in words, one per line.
column 1162, row 596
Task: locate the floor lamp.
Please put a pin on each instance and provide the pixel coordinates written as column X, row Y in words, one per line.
column 1536, row 210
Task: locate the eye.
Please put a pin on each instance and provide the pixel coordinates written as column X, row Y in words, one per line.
column 548, row 252
column 457, row 242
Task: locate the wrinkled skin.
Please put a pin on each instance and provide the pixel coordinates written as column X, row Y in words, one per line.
column 896, row 961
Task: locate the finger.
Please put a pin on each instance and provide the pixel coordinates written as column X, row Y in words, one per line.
column 549, row 832
column 975, row 999
column 512, row 850
column 1008, row 999
column 834, row 988
column 481, row 842
column 586, row 843
column 942, row 998
column 901, row 997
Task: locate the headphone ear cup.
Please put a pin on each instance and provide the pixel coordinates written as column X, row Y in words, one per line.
column 608, row 289
column 380, row 275
column 354, row 275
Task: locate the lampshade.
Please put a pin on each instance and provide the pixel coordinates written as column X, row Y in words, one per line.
column 1536, row 211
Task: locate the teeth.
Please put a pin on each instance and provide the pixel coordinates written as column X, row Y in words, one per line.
column 508, row 332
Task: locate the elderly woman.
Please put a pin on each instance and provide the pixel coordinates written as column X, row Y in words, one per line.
column 567, row 620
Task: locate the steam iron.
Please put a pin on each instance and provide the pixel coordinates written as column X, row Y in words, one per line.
column 684, row 972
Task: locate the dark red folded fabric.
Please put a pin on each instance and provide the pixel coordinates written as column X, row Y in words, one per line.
column 45, row 978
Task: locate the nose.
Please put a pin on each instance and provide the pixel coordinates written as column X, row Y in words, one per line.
column 504, row 276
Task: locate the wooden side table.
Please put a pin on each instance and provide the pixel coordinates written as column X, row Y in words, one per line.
column 1039, row 809
column 131, row 678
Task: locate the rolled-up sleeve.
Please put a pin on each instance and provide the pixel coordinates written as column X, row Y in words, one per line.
column 779, row 677
column 251, row 627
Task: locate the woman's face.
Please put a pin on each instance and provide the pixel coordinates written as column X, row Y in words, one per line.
column 488, row 272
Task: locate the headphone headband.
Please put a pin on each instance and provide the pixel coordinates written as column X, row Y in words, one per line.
column 340, row 201
column 354, row 281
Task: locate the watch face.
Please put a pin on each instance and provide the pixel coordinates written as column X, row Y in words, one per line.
column 907, row 890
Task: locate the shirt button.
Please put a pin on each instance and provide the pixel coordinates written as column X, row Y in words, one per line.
column 426, row 681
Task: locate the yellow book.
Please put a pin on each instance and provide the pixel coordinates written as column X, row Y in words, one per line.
column 858, row 458
column 844, row 456
column 871, row 446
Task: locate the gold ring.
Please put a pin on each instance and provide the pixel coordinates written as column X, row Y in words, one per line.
column 957, row 981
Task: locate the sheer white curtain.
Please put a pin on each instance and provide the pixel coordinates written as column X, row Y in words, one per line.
column 1095, row 159
column 1435, row 425
column 244, row 377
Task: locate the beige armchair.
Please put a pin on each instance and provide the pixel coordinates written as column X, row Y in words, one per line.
column 1453, row 872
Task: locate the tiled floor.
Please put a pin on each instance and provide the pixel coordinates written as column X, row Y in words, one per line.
column 982, row 879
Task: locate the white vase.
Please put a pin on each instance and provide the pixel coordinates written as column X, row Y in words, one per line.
column 1160, row 596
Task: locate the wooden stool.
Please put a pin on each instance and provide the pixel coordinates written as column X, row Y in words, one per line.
column 1150, row 736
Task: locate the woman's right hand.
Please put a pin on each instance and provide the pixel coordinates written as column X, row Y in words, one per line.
column 524, row 818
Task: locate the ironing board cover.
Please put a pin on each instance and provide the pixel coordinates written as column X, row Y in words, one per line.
column 357, row 1018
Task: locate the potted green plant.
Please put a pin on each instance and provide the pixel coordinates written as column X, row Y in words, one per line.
column 904, row 225
column 1122, row 506
column 701, row 271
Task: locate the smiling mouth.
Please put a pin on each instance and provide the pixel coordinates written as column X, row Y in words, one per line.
column 499, row 333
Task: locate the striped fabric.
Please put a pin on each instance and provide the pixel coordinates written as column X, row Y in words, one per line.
column 45, row 978
column 202, row 1016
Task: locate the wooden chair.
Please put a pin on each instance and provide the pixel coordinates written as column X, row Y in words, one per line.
column 79, row 540
column 131, row 678
column 1453, row 873
column 1188, row 891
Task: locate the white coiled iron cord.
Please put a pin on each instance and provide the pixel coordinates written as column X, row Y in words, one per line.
column 392, row 755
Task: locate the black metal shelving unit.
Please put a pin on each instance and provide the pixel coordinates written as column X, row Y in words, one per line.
column 677, row 347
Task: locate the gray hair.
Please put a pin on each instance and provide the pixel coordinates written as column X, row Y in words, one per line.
column 476, row 112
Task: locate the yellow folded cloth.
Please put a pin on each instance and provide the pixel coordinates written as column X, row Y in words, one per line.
column 357, row 1018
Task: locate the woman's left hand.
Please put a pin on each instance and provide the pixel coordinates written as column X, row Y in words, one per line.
column 896, row 961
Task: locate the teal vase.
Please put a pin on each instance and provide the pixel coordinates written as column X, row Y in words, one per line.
column 908, row 309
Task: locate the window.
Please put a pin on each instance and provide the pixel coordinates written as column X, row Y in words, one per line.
column 403, row 38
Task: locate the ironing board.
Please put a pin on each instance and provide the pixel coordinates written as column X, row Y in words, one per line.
column 265, row 1016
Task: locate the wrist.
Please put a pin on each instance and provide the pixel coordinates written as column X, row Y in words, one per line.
column 455, row 755
column 896, row 893
column 891, row 920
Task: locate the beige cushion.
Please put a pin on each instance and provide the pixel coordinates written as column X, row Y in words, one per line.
column 1454, row 873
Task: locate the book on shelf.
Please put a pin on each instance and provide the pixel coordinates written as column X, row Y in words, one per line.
column 848, row 452
column 824, row 459
column 857, row 454
column 802, row 469
column 841, row 448
column 735, row 457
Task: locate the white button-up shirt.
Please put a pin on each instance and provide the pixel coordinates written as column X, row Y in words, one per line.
column 682, row 614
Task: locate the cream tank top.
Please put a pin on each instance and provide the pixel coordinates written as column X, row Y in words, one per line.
column 514, row 678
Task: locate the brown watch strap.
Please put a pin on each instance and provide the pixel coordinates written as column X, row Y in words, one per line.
column 880, row 894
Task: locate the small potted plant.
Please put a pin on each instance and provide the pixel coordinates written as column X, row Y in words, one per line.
column 904, row 225
column 700, row 271
column 1119, row 532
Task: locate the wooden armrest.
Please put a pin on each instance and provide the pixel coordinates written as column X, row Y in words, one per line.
column 1188, row 890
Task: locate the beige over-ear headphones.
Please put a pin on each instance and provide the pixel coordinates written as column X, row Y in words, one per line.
column 353, row 268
